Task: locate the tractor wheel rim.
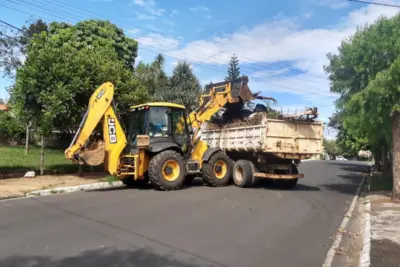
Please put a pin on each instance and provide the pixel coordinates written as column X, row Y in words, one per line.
column 220, row 169
column 171, row 170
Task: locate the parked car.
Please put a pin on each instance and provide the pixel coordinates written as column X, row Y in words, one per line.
column 341, row 158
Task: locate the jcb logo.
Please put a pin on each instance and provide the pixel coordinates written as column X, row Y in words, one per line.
column 100, row 94
column 112, row 131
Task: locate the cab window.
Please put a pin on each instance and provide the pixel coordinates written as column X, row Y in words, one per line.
column 158, row 122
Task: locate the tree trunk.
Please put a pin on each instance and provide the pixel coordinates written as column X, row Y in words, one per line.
column 28, row 125
column 80, row 170
column 396, row 155
column 42, row 155
column 383, row 159
column 377, row 160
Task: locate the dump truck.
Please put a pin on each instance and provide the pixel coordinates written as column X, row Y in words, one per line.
column 269, row 149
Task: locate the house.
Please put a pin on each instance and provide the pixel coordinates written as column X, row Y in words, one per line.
column 4, row 107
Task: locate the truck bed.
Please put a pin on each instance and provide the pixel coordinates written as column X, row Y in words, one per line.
column 284, row 138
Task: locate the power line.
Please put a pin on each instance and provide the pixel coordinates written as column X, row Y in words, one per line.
column 12, row 26
column 281, row 84
column 375, row 3
column 75, row 10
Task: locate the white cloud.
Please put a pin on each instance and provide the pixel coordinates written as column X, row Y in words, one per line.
column 159, row 42
column 299, row 52
column 134, row 31
column 144, row 3
column 282, row 41
column 151, row 7
column 174, row 12
column 169, row 22
column 370, row 13
column 199, row 8
column 334, row 4
column 142, row 16
column 308, row 14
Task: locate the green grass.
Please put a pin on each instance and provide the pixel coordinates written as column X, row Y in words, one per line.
column 380, row 183
column 110, row 179
column 13, row 160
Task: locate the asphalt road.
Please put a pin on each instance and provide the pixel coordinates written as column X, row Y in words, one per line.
column 197, row 226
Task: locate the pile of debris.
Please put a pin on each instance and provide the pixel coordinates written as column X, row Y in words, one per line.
column 245, row 117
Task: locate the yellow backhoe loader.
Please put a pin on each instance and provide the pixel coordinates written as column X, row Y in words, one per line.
column 161, row 144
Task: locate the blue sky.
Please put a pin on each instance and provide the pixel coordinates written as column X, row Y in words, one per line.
column 281, row 45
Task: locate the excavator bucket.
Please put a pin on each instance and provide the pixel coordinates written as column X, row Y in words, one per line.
column 242, row 90
column 93, row 154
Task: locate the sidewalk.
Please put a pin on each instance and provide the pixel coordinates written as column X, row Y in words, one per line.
column 19, row 187
column 385, row 229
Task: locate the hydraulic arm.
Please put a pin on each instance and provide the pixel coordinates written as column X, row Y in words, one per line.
column 100, row 108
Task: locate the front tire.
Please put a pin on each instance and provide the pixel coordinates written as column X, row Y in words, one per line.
column 218, row 170
column 167, row 170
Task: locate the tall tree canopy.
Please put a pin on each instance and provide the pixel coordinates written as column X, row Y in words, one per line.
column 13, row 48
column 365, row 73
column 65, row 65
column 184, row 87
column 233, row 69
column 152, row 75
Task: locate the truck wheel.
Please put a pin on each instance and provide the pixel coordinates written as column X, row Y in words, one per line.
column 243, row 173
column 167, row 170
column 218, row 170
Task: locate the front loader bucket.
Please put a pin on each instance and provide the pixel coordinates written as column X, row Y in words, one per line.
column 241, row 89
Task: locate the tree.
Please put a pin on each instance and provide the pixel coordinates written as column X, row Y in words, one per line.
column 152, row 75
column 10, row 128
column 233, row 69
column 65, row 65
column 349, row 144
column 365, row 74
column 13, row 51
column 184, row 87
column 331, row 147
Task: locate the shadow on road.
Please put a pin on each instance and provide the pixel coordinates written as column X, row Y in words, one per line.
column 270, row 184
column 348, row 185
column 102, row 257
column 352, row 166
column 348, row 182
column 195, row 183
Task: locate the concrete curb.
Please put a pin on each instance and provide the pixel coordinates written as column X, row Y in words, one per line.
column 365, row 256
column 338, row 238
column 70, row 189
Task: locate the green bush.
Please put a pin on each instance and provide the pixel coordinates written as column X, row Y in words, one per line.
column 11, row 130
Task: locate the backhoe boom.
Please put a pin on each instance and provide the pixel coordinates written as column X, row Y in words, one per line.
column 100, row 108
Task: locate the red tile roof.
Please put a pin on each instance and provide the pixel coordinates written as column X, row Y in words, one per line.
column 4, row 107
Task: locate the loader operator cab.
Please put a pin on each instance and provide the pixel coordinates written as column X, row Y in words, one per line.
column 164, row 123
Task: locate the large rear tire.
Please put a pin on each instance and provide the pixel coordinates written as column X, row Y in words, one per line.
column 243, row 173
column 167, row 170
column 218, row 170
